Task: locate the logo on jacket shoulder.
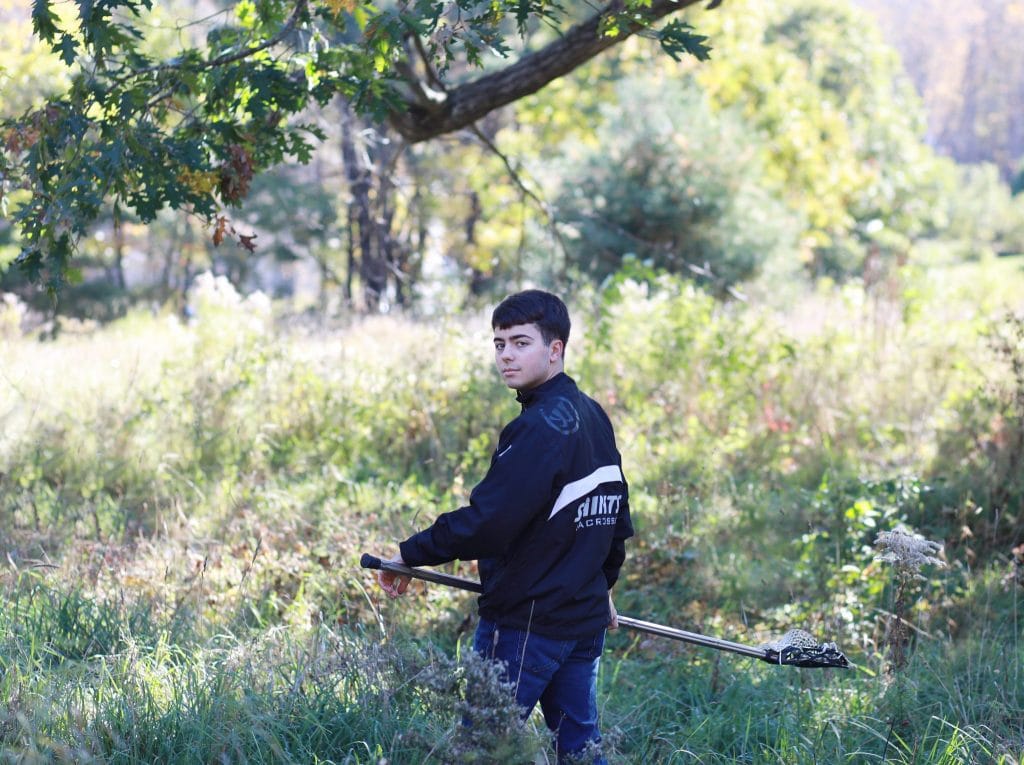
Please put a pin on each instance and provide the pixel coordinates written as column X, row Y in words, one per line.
column 598, row 510
column 561, row 415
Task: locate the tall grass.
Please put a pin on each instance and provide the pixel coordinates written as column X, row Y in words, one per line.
column 181, row 520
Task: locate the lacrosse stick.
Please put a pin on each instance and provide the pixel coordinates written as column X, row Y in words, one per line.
column 796, row 648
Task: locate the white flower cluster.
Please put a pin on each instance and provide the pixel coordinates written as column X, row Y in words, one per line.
column 216, row 306
column 907, row 551
column 209, row 291
column 12, row 314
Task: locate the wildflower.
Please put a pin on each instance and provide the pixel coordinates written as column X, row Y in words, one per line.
column 907, row 551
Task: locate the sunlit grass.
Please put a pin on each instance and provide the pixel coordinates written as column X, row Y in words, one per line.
column 182, row 507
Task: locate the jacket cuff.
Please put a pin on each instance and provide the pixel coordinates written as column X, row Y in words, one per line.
column 407, row 549
column 416, row 550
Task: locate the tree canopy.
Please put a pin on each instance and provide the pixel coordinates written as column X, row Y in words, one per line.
column 141, row 128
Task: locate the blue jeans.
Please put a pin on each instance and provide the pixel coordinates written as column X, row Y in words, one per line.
column 560, row 674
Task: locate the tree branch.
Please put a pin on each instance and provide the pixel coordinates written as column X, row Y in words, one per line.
column 469, row 102
column 230, row 58
column 517, row 179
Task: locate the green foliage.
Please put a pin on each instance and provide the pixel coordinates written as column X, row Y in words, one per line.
column 835, row 558
column 189, row 128
column 103, row 142
column 843, row 131
column 799, row 143
column 193, row 502
column 988, row 445
column 678, row 38
column 298, row 696
column 28, row 74
column 676, row 702
column 1017, row 182
column 675, row 186
column 70, row 626
column 982, row 216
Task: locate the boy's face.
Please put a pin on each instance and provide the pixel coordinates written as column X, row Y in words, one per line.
column 523, row 359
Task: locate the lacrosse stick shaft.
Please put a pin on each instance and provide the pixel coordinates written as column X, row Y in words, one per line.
column 370, row 561
column 693, row 637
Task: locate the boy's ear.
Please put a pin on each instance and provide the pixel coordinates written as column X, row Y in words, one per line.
column 557, row 349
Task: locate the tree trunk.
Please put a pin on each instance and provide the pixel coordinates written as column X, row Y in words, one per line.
column 119, row 279
column 362, row 255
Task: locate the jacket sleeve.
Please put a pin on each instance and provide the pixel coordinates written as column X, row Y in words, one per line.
column 516, row 488
column 617, row 554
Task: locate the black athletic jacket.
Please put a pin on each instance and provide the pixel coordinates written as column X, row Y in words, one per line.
column 549, row 521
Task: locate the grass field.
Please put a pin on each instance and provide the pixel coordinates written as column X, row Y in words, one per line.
column 182, row 509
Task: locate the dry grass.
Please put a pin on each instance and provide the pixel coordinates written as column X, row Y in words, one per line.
column 183, row 507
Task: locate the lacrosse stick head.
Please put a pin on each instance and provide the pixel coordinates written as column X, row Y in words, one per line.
column 799, row 649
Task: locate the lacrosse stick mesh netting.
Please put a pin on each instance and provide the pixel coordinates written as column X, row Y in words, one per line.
column 800, row 649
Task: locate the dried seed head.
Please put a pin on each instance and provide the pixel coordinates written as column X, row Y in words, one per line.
column 907, row 551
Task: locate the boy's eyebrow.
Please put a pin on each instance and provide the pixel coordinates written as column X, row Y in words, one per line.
column 515, row 337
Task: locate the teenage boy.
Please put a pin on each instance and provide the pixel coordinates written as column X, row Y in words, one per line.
column 548, row 525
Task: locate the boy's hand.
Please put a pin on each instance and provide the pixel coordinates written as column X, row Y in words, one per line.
column 393, row 584
column 613, row 621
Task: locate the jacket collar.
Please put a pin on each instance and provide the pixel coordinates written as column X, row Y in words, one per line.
column 528, row 397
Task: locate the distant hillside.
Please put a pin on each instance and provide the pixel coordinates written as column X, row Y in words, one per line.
column 967, row 61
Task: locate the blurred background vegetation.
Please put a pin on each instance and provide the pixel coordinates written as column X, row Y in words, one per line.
column 796, row 275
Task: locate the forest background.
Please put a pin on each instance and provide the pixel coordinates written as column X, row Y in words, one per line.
column 796, row 279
